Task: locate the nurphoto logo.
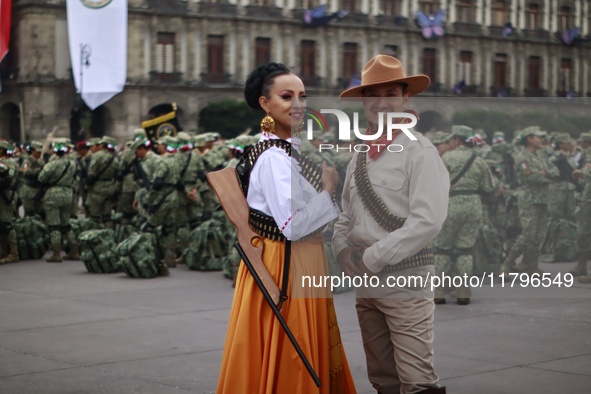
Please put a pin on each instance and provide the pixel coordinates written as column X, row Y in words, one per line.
column 394, row 121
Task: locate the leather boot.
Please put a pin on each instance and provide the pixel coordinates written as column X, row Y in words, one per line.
column 463, row 294
column 12, row 256
column 532, row 263
column 507, row 266
column 73, row 244
column 433, row 390
column 581, row 268
column 57, row 255
column 74, row 254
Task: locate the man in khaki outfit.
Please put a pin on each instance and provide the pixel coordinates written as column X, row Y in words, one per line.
column 393, row 240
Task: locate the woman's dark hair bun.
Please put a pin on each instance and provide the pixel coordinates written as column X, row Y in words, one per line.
column 260, row 80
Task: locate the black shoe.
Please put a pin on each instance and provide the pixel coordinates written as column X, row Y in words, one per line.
column 463, row 301
column 439, row 301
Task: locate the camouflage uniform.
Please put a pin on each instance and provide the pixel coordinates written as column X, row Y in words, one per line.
column 561, row 204
column 31, row 169
column 102, row 183
column 192, row 174
column 8, row 196
column 533, row 177
column 162, row 200
column 584, row 214
column 143, row 169
column 57, row 177
column 460, row 230
column 210, row 201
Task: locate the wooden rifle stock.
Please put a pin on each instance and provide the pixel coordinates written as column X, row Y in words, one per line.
column 226, row 186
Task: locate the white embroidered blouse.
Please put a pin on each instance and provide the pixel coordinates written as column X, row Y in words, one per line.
column 278, row 189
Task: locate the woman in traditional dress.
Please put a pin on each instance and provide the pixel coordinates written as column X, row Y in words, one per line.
column 291, row 202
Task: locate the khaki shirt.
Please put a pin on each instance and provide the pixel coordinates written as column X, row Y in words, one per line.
column 413, row 184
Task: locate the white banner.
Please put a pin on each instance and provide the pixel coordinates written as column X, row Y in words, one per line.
column 97, row 31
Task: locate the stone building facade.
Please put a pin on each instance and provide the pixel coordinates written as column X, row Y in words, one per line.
column 193, row 52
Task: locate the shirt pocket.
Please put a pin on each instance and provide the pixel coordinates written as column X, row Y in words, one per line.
column 386, row 180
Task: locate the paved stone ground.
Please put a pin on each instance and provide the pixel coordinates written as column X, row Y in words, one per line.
column 63, row 330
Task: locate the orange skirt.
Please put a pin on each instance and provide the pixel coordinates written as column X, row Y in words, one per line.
column 258, row 355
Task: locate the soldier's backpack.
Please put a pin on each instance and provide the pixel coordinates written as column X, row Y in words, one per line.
column 123, row 229
column 560, row 243
column 98, row 249
column 137, row 257
column 209, row 244
column 78, row 227
column 31, row 237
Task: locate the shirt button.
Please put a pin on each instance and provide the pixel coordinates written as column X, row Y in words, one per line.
column 383, row 182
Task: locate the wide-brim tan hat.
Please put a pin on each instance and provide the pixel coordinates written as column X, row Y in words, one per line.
column 387, row 69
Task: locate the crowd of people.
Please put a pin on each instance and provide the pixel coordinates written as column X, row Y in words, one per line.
column 454, row 204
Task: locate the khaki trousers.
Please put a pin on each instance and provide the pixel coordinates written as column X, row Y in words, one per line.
column 397, row 331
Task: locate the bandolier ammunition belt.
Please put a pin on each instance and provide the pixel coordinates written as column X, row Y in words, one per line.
column 386, row 219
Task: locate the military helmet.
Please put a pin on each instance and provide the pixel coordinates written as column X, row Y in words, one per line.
column 440, row 137
column 139, row 133
column 498, row 137
column 563, row 138
column 94, row 141
column 584, row 137
column 6, row 145
column 199, row 140
column 462, row 131
column 60, row 145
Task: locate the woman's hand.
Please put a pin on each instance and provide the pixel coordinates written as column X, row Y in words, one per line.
column 330, row 178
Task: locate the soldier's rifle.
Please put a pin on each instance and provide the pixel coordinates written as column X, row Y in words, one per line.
column 226, row 186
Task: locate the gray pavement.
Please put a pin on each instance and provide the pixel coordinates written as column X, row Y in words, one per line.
column 63, row 330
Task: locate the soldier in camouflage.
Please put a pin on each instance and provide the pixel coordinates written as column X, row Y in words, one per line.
column 192, row 174
column 441, row 141
column 583, row 175
column 162, row 199
column 8, row 196
column 561, row 204
column 470, row 179
column 102, row 182
column 31, row 168
column 533, row 175
column 129, row 185
column 144, row 166
column 57, row 179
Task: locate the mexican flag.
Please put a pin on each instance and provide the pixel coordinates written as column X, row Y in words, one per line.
column 97, row 31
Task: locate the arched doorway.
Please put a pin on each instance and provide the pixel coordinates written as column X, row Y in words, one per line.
column 10, row 123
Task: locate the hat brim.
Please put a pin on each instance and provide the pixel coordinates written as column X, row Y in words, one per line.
column 415, row 85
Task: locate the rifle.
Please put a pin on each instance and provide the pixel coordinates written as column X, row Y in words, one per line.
column 565, row 170
column 226, row 186
column 139, row 173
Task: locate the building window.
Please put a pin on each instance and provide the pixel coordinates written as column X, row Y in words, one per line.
column 566, row 17
column 566, row 75
column 533, row 16
column 466, row 11
column 465, row 68
column 262, row 51
column 429, row 7
column 391, row 50
column 390, row 7
column 263, row 3
column 500, row 13
column 165, row 53
column 306, row 4
column 534, row 73
column 429, row 64
column 308, row 61
column 349, row 60
column 349, row 5
column 500, row 70
column 215, row 58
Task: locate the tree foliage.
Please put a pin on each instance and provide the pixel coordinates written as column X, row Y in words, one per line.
column 229, row 118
